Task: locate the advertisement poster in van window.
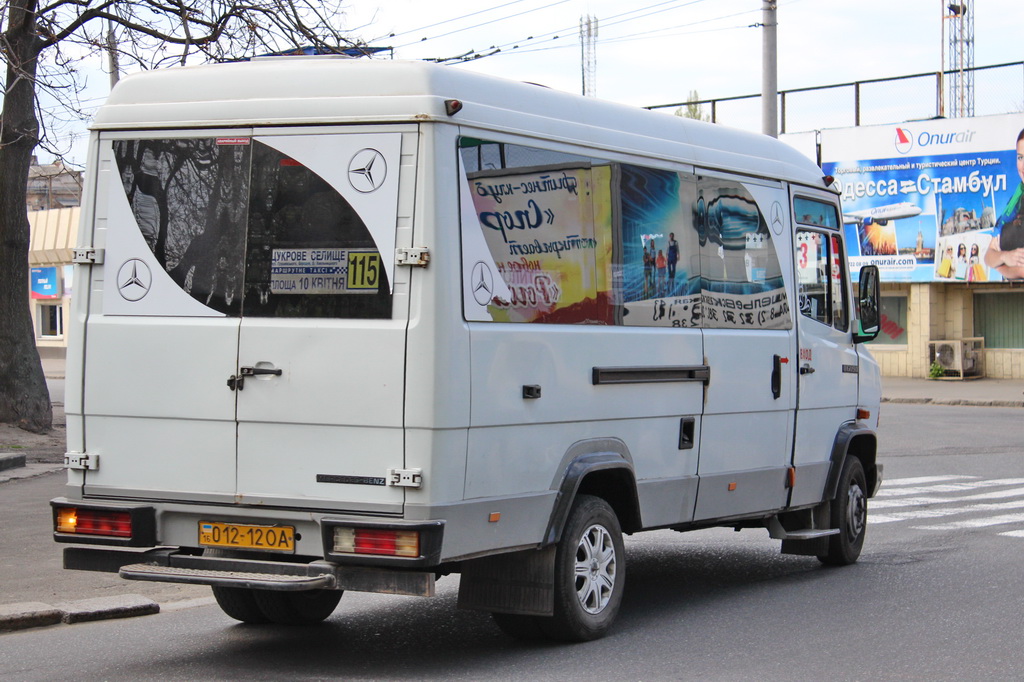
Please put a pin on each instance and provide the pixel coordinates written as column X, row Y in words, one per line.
column 933, row 201
column 660, row 269
column 742, row 285
column 549, row 233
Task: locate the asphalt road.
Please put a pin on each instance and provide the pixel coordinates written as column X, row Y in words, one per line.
column 937, row 595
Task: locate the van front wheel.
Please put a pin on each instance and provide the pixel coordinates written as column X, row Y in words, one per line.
column 590, row 573
column 849, row 513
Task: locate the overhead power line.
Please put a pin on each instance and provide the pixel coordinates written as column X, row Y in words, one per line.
column 540, row 42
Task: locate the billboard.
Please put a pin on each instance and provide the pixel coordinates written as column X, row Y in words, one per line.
column 932, row 201
column 45, row 284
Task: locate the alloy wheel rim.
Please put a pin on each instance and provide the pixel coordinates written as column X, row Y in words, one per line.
column 857, row 511
column 595, row 569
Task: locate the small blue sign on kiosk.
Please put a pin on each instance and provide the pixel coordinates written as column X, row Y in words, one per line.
column 45, row 283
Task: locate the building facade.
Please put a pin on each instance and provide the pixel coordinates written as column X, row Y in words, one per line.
column 53, row 186
column 930, row 203
column 53, row 238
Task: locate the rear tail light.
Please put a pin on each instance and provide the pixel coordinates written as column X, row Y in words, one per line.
column 403, row 543
column 115, row 524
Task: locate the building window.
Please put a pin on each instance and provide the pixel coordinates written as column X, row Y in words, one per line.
column 51, row 320
column 894, row 321
column 999, row 317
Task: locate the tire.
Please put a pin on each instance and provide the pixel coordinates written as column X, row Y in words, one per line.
column 590, row 573
column 237, row 602
column 849, row 513
column 525, row 628
column 297, row 608
column 240, row 604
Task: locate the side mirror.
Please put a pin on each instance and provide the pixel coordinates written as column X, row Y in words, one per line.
column 868, row 305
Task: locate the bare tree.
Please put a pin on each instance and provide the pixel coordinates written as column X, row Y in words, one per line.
column 41, row 43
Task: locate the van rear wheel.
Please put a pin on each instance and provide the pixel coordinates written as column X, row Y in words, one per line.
column 849, row 513
column 590, row 573
column 239, row 603
column 236, row 602
column 297, row 608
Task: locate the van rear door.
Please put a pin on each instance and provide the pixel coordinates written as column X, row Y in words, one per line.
column 330, row 424
column 243, row 343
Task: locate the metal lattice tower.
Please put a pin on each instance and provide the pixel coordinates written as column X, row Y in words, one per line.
column 588, row 48
column 961, row 60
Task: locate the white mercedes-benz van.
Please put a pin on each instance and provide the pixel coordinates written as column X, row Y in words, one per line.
column 354, row 325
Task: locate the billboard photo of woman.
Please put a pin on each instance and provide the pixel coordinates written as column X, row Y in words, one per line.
column 1006, row 251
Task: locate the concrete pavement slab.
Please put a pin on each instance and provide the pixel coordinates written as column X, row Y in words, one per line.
column 27, row 614
column 11, row 461
column 106, row 608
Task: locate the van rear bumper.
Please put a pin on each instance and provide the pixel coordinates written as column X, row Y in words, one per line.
column 176, row 566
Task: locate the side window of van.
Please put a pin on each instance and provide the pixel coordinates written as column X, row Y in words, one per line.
column 821, row 273
column 246, row 230
column 822, row 278
column 581, row 240
column 741, row 278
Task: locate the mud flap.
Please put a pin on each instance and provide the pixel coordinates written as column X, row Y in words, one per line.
column 518, row 582
column 815, row 518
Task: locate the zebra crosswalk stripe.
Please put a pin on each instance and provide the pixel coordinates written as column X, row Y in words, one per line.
column 937, row 497
column 976, row 523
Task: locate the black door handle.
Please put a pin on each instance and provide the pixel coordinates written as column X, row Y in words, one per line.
column 237, row 383
column 256, row 371
column 776, row 376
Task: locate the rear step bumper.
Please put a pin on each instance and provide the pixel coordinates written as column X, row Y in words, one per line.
column 168, row 565
column 196, row 576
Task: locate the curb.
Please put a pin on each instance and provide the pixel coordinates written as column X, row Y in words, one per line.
column 11, row 461
column 29, row 470
column 25, row 615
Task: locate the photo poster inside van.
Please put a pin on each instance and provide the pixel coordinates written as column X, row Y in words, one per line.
column 925, row 200
column 619, row 244
column 549, row 234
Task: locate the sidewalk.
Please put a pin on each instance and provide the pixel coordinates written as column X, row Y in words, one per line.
column 978, row 392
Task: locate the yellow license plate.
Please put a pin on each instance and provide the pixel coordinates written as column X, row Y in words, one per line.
column 242, row 536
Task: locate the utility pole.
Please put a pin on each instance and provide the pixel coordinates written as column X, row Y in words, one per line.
column 588, row 56
column 769, row 70
column 942, row 63
column 961, row 59
column 112, row 55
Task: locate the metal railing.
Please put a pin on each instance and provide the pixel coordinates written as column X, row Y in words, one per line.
column 999, row 89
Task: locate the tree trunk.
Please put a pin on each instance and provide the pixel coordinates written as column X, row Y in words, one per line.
column 24, row 398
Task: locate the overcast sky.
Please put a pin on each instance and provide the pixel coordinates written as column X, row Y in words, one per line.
column 656, row 51
column 653, row 52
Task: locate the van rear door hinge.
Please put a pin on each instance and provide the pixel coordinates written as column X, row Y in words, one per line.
column 416, row 256
column 82, row 461
column 88, row 256
column 405, row 478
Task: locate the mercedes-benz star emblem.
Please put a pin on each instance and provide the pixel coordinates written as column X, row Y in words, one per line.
column 777, row 223
column 367, row 170
column 482, row 283
column 134, row 279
